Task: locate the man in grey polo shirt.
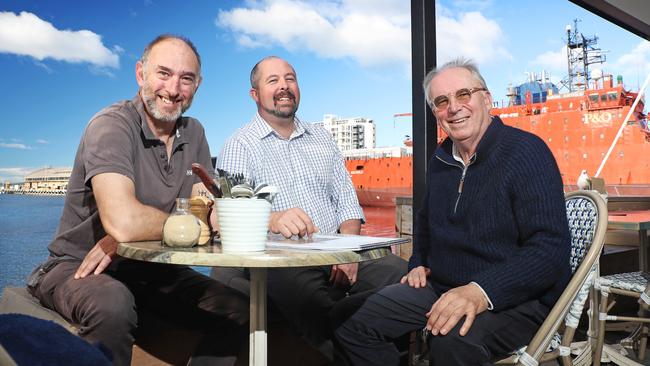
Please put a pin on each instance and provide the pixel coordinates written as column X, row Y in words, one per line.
column 133, row 161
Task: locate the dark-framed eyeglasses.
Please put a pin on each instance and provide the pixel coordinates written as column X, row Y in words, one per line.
column 462, row 96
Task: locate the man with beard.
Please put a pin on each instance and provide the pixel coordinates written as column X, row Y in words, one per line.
column 133, row 161
column 315, row 194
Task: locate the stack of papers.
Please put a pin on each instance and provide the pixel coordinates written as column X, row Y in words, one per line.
column 331, row 242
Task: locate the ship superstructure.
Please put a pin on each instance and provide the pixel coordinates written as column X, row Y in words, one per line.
column 580, row 119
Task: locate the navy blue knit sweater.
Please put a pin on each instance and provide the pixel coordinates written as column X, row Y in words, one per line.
column 507, row 230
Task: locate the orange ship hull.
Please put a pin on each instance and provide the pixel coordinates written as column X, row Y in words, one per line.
column 379, row 180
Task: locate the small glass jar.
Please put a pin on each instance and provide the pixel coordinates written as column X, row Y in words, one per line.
column 181, row 229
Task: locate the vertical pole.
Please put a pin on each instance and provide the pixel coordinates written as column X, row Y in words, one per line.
column 423, row 59
column 257, row 336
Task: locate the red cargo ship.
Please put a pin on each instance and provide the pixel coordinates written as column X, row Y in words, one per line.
column 578, row 124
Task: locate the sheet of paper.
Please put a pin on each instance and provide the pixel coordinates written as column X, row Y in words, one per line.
column 331, row 242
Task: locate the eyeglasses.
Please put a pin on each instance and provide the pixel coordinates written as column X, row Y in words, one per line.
column 462, row 96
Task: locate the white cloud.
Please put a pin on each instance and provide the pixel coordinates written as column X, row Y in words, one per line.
column 28, row 35
column 14, row 175
column 371, row 32
column 470, row 35
column 469, row 5
column 554, row 61
column 635, row 65
column 43, row 66
column 14, row 146
column 42, row 141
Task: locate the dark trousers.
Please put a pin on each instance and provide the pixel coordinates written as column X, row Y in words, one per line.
column 104, row 306
column 306, row 298
column 367, row 336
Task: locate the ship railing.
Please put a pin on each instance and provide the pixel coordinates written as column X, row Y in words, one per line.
column 377, row 156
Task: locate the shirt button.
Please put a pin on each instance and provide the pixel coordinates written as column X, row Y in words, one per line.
column 163, row 155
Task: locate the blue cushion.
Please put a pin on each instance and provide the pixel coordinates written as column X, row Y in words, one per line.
column 33, row 341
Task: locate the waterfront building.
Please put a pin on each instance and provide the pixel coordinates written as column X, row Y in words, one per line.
column 350, row 133
column 47, row 180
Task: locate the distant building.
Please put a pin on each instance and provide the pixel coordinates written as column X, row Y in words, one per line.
column 350, row 133
column 47, row 180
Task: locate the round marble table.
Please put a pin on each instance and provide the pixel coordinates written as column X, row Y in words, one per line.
column 257, row 262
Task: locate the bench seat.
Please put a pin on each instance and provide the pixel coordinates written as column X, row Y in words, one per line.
column 157, row 342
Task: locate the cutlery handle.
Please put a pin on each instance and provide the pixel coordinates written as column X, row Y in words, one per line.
column 209, row 183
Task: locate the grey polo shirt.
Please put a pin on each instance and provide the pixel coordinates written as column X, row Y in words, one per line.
column 118, row 140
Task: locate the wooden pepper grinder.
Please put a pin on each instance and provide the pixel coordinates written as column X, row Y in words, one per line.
column 200, row 206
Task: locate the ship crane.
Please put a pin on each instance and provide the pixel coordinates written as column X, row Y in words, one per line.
column 398, row 115
column 407, row 138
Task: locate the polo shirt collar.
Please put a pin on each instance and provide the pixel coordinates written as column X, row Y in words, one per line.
column 181, row 123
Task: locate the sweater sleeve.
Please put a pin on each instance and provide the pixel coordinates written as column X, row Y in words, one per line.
column 537, row 201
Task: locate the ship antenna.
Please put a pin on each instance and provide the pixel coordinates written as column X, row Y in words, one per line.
column 627, row 118
column 581, row 52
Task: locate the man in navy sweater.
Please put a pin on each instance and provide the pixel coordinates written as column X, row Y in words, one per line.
column 491, row 244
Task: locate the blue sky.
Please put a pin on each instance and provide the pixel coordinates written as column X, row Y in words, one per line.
column 62, row 61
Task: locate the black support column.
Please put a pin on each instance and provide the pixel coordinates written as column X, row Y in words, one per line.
column 423, row 58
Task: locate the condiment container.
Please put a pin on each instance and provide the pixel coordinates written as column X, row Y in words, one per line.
column 181, row 229
column 200, row 207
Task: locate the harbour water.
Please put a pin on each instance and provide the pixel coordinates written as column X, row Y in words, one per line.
column 28, row 223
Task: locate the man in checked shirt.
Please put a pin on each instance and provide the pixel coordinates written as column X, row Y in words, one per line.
column 315, row 195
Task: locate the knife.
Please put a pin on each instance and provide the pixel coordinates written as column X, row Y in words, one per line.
column 208, row 182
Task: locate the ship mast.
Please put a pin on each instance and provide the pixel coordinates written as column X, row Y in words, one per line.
column 581, row 52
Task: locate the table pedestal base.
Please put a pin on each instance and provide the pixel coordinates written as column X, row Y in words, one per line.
column 258, row 317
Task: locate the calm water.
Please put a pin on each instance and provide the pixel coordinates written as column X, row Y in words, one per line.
column 28, row 223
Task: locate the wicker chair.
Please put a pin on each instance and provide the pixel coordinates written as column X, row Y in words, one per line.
column 587, row 215
column 633, row 284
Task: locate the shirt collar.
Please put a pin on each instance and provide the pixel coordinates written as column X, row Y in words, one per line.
column 262, row 129
column 181, row 123
column 448, row 150
column 456, row 155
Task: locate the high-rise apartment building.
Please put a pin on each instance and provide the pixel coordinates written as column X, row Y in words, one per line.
column 350, row 133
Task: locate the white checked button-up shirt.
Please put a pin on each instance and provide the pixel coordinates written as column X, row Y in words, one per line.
column 307, row 168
